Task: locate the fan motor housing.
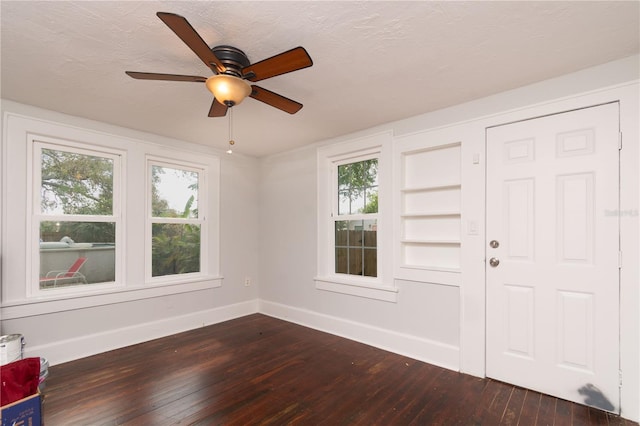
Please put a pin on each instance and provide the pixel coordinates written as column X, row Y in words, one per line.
column 232, row 58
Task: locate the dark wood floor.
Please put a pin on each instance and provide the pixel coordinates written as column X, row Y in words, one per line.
column 260, row 370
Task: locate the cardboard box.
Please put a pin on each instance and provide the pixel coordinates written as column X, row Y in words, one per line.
column 26, row 412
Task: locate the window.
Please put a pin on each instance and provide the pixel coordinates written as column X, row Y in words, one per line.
column 77, row 221
column 354, row 218
column 356, row 222
column 176, row 219
column 76, row 215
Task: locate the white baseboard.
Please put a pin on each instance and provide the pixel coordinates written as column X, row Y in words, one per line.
column 432, row 352
column 436, row 353
column 69, row 350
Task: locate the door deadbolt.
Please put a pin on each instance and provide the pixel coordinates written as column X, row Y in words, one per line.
column 494, row 262
column 494, row 244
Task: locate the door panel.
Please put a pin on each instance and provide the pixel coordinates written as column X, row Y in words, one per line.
column 552, row 292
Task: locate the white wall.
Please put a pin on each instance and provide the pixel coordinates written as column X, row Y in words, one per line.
column 84, row 326
column 437, row 323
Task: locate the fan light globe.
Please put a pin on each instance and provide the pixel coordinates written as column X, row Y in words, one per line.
column 228, row 89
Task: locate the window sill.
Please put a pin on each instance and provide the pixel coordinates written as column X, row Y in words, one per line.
column 68, row 302
column 357, row 288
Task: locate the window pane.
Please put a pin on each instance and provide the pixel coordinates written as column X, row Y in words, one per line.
column 355, row 233
column 357, row 201
column 342, row 233
column 341, row 261
column 174, row 192
column 371, row 200
column 76, row 253
column 355, row 261
column 370, row 233
column 74, row 183
column 344, row 203
column 175, row 249
column 344, row 177
column 370, row 262
column 372, row 172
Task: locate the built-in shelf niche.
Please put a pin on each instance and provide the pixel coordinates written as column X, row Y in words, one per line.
column 430, row 195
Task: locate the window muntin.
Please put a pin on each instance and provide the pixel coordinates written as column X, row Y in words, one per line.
column 355, row 224
column 176, row 219
column 76, row 216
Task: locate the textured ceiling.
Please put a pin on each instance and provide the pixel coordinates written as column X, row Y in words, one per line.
column 374, row 62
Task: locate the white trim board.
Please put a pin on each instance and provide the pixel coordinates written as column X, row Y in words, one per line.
column 432, row 352
column 72, row 349
column 429, row 351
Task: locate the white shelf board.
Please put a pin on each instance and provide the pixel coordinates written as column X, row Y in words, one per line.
column 431, row 242
column 432, row 188
column 431, row 214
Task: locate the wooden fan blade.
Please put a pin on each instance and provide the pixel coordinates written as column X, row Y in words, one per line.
column 275, row 100
column 191, row 38
column 217, row 109
column 291, row 60
column 166, row 77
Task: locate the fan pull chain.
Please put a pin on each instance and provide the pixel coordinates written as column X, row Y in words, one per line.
column 231, row 141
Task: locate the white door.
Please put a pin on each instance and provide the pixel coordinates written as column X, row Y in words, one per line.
column 553, row 255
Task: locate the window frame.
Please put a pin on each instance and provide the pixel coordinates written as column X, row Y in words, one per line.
column 36, row 144
column 382, row 287
column 202, row 170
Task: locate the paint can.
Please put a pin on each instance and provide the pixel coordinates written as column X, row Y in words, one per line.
column 11, row 348
column 44, row 373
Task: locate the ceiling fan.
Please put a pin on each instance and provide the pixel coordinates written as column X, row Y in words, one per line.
column 232, row 70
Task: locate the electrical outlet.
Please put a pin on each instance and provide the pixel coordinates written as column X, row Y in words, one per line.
column 247, row 281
